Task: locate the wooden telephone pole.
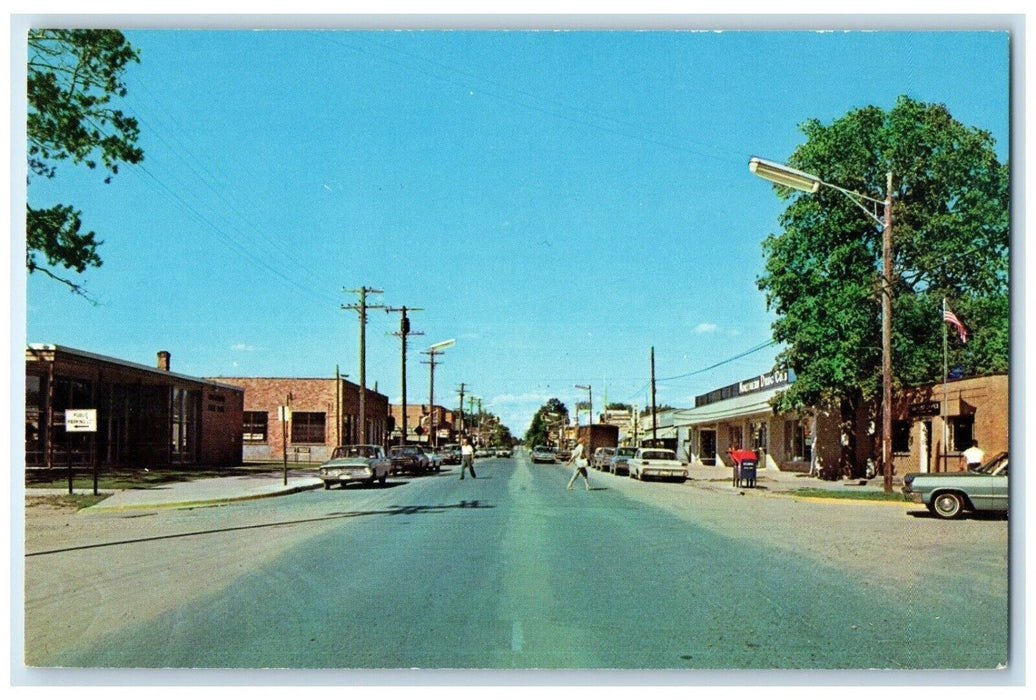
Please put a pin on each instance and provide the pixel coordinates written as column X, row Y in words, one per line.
column 362, row 307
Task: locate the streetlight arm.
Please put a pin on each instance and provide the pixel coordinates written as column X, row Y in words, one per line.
column 787, row 176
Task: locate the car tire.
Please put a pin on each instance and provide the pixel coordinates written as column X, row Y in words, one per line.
column 948, row 505
column 327, row 485
column 383, row 479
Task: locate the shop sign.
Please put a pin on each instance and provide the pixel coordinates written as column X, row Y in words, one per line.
column 763, row 381
column 81, row 420
column 927, row 408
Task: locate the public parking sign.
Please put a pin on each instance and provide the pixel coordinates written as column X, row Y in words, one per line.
column 81, row 420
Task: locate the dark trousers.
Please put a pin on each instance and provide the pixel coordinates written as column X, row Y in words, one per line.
column 466, row 462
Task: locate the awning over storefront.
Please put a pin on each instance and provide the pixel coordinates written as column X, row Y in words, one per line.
column 661, row 433
column 738, row 407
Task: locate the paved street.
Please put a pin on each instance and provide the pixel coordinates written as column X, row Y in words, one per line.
column 512, row 571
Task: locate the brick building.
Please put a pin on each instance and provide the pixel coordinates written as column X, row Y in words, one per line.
column 145, row 416
column 933, row 424
column 324, row 413
column 419, row 415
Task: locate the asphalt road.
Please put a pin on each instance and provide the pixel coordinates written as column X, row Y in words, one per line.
column 513, row 571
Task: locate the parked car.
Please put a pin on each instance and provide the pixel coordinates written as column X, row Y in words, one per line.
column 543, row 454
column 434, row 460
column 483, row 452
column 409, row 458
column 366, row 463
column 451, row 453
column 620, row 460
column 602, row 458
column 655, row 463
column 504, row 452
column 948, row 494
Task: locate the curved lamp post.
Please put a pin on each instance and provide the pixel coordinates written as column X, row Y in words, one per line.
column 590, row 400
column 796, row 179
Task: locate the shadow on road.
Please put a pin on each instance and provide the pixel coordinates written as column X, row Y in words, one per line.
column 926, row 515
column 391, row 510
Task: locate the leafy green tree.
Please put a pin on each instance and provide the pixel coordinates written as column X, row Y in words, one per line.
column 950, row 239
column 73, row 74
column 544, row 422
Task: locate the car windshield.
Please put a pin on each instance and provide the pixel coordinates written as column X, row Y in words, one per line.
column 366, row 451
column 657, row 454
column 625, row 451
column 993, row 465
column 543, row 448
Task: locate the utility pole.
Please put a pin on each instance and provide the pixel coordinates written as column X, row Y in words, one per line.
column 362, row 307
column 886, row 340
column 654, row 417
column 434, row 350
column 461, row 412
column 404, row 331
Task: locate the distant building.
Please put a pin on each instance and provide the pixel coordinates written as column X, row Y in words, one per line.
column 324, row 413
column 145, row 416
column 418, row 416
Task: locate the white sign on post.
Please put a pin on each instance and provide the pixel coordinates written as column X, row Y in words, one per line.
column 81, row 420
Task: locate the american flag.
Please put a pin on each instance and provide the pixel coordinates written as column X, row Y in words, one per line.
column 952, row 319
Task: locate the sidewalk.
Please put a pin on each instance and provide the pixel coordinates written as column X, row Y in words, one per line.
column 195, row 493
column 775, row 480
column 264, row 485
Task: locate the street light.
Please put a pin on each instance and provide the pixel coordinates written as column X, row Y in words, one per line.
column 797, row 179
column 590, row 400
column 783, row 175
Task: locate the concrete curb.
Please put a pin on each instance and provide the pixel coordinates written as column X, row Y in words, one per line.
column 202, row 502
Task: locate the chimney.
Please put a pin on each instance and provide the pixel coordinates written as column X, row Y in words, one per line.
column 163, row 360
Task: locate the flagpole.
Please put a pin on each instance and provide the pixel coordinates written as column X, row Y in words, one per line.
column 945, row 391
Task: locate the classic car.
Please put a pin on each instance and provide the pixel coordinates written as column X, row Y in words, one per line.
column 620, row 460
column 949, row 494
column 435, row 460
column 409, row 458
column 504, row 452
column 366, row 463
column 543, row 454
column 602, row 457
column 451, row 453
column 656, row 463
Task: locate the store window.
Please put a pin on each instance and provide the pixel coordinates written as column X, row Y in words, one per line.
column 255, row 426
column 962, row 432
column 795, row 448
column 308, row 427
column 901, row 436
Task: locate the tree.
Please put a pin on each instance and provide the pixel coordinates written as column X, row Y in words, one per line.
column 545, row 421
column 950, row 239
column 73, row 74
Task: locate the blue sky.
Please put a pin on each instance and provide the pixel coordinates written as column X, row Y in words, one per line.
column 560, row 202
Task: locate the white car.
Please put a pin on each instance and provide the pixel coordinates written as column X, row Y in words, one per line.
column 366, row 463
column 656, row 463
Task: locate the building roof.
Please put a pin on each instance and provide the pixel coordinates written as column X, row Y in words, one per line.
column 747, row 405
column 34, row 350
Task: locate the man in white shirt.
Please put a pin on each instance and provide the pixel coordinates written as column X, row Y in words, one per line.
column 467, row 458
column 971, row 457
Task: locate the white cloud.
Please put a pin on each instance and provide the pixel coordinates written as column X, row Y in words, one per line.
column 706, row 328
column 242, row 347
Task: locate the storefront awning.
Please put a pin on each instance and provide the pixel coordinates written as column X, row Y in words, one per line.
column 738, row 407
